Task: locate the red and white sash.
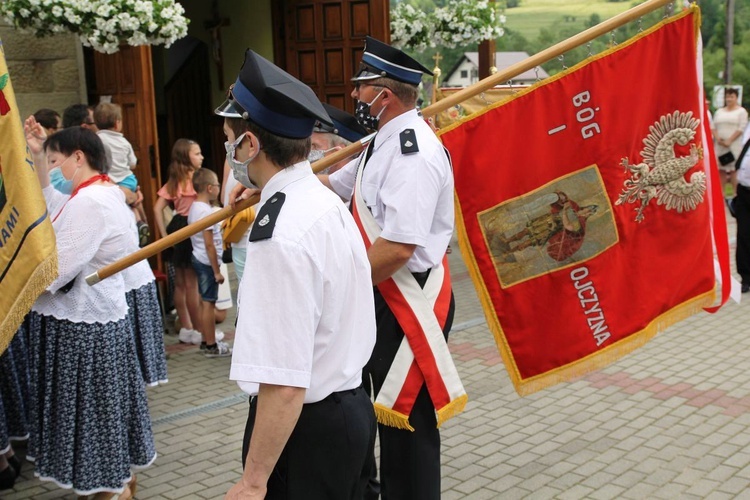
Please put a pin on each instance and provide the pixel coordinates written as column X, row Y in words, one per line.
column 423, row 355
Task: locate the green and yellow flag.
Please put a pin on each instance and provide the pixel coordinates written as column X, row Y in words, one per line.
column 28, row 259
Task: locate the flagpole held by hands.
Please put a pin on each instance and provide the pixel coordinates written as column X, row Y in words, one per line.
column 170, row 240
column 354, row 148
column 218, row 216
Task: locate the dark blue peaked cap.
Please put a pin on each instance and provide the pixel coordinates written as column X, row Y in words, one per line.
column 273, row 99
column 380, row 60
column 344, row 124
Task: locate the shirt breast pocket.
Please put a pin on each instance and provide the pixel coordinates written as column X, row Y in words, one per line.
column 370, row 195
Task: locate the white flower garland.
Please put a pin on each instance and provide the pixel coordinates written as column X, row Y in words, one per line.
column 101, row 24
column 461, row 22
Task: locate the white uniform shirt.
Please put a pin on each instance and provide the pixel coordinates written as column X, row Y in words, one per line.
column 93, row 229
column 306, row 318
column 120, row 154
column 198, row 211
column 743, row 174
column 410, row 195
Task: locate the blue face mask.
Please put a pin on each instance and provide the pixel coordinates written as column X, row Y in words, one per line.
column 58, row 180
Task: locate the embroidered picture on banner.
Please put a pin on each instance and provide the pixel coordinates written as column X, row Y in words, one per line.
column 566, row 221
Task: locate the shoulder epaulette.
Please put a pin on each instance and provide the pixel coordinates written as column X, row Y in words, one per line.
column 265, row 221
column 408, row 142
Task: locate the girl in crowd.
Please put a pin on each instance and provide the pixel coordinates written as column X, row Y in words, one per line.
column 179, row 194
column 90, row 424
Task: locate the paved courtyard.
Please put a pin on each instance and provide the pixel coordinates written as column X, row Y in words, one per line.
column 671, row 420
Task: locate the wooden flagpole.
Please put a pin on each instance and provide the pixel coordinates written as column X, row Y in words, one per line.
column 487, row 83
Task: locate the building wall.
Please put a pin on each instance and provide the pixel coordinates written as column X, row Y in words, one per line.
column 45, row 72
column 455, row 80
column 250, row 27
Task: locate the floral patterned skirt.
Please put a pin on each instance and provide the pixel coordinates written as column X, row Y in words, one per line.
column 90, row 424
column 145, row 315
column 14, row 387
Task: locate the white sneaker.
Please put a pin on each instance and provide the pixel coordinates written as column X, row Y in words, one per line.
column 195, row 337
column 219, row 335
column 220, row 350
column 186, row 336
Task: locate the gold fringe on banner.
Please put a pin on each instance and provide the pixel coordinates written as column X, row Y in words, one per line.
column 586, row 365
column 43, row 275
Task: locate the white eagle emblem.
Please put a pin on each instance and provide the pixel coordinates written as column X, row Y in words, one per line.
column 265, row 220
column 661, row 175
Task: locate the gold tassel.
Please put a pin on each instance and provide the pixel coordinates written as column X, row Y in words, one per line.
column 43, row 275
column 392, row 418
column 451, row 409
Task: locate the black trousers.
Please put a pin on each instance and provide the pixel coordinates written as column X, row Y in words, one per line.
column 409, row 461
column 742, row 209
column 326, row 453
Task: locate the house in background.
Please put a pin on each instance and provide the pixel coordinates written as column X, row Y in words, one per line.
column 466, row 71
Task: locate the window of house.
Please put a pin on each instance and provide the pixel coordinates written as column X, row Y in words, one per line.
column 464, row 73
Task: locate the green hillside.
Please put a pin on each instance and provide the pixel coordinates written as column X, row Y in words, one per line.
column 532, row 15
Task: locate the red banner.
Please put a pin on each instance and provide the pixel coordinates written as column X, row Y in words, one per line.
column 583, row 206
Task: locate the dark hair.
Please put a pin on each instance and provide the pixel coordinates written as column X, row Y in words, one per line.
column 47, row 118
column 70, row 140
column 237, row 125
column 202, row 178
column 106, row 115
column 732, row 90
column 281, row 151
column 180, row 168
column 75, row 115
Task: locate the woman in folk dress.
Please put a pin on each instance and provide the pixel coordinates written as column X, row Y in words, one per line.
column 90, row 424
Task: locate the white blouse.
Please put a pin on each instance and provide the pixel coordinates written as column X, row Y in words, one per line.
column 92, row 229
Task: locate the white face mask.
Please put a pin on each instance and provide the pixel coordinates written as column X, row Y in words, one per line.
column 318, row 154
column 239, row 168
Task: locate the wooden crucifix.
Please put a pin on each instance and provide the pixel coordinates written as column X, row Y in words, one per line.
column 214, row 27
column 436, row 75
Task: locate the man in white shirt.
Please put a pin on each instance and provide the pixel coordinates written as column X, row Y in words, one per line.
column 306, row 324
column 402, row 193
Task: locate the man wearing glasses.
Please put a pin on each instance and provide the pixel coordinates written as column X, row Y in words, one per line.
column 79, row 115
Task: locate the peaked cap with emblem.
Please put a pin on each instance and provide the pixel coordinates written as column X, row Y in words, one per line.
column 273, row 99
column 381, row 60
column 344, row 124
